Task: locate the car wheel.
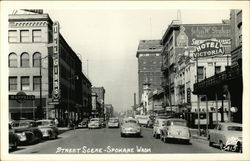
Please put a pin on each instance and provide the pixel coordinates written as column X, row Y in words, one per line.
column 122, row 135
column 221, row 145
column 14, row 147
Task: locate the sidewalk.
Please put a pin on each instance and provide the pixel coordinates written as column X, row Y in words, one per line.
column 63, row 129
column 194, row 134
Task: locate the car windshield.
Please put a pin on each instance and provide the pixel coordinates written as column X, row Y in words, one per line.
column 22, row 124
column 113, row 120
column 95, row 119
column 234, row 128
column 179, row 123
column 43, row 123
column 131, row 121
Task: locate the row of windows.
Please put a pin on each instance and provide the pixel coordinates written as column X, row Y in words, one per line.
column 25, row 83
column 24, row 60
column 25, row 36
column 147, row 54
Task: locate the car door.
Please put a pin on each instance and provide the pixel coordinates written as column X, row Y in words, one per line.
column 217, row 134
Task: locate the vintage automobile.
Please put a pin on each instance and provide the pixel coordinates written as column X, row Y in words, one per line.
column 113, row 122
column 83, row 123
column 94, row 123
column 227, row 135
column 158, row 125
column 175, row 129
column 13, row 138
column 103, row 122
column 48, row 128
column 142, row 119
column 27, row 131
column 130, row 126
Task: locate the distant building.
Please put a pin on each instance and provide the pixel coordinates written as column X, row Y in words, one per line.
column 100, row 91
column 109, row 110
column 96, row 106
column 146, row 108
column 156, row 99
column 149, row 64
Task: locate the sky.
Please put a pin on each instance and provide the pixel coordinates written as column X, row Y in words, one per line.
column 107, row 42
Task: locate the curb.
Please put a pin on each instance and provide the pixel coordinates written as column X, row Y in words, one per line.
column 62, row 130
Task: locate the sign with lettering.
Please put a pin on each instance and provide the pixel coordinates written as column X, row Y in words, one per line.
column 21, row 97
column 198, row 33
column 56, row 84
column 208, row 48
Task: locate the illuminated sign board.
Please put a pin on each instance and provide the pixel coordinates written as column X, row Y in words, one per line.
column 208, row 48
column 56, row 84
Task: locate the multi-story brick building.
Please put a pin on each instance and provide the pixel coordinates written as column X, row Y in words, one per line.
column 100, row 92
column 228, row 85
column 182, row 67
column 41, row 63
column 149, row 64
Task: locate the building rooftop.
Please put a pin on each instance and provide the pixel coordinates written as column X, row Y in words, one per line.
column 149, row 46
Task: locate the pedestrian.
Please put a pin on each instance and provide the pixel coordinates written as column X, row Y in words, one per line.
column 56, row 121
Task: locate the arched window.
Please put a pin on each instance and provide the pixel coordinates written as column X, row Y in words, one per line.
column 12, row 60
column 36, row 59
column 25, row 60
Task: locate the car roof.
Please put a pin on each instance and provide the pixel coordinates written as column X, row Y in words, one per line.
column 44, row 120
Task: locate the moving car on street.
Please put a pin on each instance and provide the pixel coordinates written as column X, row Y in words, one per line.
column 27, row 131
column 175, row 129
column 130, row 126
column 113, row 122
column 142, row 119
column 227, row 135
column 48, row 128
column 158, row 125
column 13, row 138
column 94, row 123
column 83, row 123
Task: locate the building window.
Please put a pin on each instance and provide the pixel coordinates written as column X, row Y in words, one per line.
column 200, row 73
column 24, row 34
column 36, row 36
column 25, row 60
column 36, row 60
column 12, row 36
column 25, row 83
column 12, row 83
column 36, row 83
column 12, row 60
column 217, row 69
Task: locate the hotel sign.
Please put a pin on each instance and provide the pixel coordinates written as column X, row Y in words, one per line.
column 56, row 84
column 208, row 48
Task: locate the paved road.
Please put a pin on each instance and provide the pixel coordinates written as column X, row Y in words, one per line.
column 85, row 141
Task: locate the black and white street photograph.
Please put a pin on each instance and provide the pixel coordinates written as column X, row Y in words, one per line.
column 151, row 79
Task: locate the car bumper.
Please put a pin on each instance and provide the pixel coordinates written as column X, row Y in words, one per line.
column 113, row 125
column 93, row 126
column 178, row 137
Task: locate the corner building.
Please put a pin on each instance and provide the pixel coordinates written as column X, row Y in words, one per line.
column 31, row 42
column 181, row 69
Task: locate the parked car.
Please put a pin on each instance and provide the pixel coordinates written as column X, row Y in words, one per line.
column 83, row 123
column 27, row 131
column 227, row 135
column 94, row 123
column 48, row 128
column 13, row 138
column 103, row 122
column 158, row 125
column 113, row 122
column 130, row 126
column 175, row 129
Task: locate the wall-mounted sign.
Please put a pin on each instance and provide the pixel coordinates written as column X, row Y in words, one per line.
column 198, row 33
column 56, row 84
column 208, row 48
column 21, row 97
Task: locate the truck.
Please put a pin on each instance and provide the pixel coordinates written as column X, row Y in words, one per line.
column 142, row 119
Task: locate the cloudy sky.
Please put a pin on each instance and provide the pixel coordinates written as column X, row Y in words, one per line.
column 108, row 39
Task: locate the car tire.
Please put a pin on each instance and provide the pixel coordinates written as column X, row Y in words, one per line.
column 122, row 135
column 14, row 147
column 221, row 145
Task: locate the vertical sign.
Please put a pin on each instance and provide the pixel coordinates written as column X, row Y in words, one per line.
column 56, row 86
column 188, row 95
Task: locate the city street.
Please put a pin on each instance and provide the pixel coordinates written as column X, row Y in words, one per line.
column 105, row 140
